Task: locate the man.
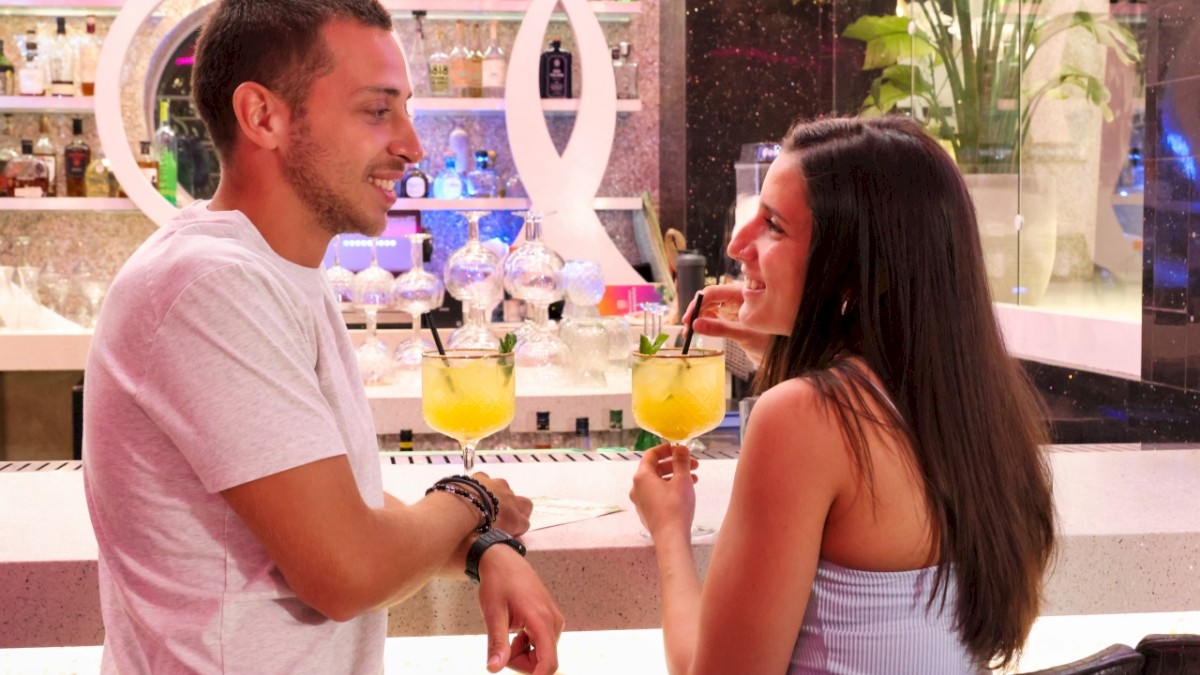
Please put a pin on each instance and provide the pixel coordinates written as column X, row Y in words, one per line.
column 230, row 460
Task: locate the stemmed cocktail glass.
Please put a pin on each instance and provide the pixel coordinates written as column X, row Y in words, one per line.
column 468, row 395
column 416, row 292
column 372, row 291
column 474, row 277
column 679, row 396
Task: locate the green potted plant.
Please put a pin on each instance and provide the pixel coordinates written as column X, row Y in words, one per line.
column 966, row 74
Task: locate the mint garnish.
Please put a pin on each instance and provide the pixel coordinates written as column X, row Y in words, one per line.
column 648, row 347
column 507, row 343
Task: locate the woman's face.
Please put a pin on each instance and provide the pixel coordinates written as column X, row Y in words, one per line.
column 773, row 249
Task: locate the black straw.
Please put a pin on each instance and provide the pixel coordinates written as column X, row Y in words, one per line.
column 687, row 341
column 437, row 340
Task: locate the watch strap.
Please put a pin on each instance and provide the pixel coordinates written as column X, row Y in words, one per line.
column 483, row 543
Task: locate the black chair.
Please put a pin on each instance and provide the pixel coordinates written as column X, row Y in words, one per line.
column 1171, row 654
column 1115, row 660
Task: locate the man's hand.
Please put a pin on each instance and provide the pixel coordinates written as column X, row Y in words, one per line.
column 512, row 598
column 514, row 509
column 719, row 318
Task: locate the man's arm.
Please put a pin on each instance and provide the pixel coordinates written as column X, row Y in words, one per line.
column 340, row 556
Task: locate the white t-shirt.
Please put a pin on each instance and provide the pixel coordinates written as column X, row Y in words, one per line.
column 216, row 362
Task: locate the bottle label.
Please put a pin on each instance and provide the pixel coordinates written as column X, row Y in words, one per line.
column 460, row 75
column 493, row 73
column 452, row 187
column 415, row 187
column 31, row 192
column 439, row 78
column 31, row 82
column 76, row 162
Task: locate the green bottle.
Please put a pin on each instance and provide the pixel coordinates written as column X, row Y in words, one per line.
column 646, row 440
column 166, row 147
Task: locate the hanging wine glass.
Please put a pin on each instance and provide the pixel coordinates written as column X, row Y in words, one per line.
column 416, row 292
column 372, row 291
column 341, row 280
column 474, row 276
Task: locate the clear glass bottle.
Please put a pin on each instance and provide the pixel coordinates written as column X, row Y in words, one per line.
column 554, row 75
column 76, row 158
column 89, row 56
column 495, row 67
column 45, row 151
column 27, row 174
column 61, row 62
column 475, row 65
column 449, row 183
column 31, row 78
column 418, row 62
column 414, row 184
column 483, row 181
column 626, row 73
column 166, row 149
column 439, row 67
column 8, row 74
column 460, row 78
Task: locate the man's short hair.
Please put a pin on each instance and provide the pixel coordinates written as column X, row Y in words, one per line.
column 275, row 43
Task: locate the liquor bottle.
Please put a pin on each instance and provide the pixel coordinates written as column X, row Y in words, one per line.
column 475, row 65
column 627, row 73
column 76, row 158
column 460, row 79
column 148, row 164
column 61, row 62
column 542, row 438
column 8, row 74
column 646, row 440
column 417, row 61
column 439, row 67
column 459, row 144
column 406, row 440
column 483, row 181
column 31, row 80
column 89, row 56
column 99, row 180
column 514, row 188
column 166, row 149
column 10, row 150
column 448, row 184
column 414, row 184
column 495, row 68
column 554, row 76
column 583, row 439
column 614, row 437
column 44, row 150
column 27, row 174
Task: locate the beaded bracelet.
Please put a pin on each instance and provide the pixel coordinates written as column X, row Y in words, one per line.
column 482, row 498
column 485, row 495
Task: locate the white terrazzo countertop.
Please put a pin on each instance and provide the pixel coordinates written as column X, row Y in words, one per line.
column 1129, row 521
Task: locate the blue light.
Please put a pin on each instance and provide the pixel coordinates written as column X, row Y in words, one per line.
column 1178, row 145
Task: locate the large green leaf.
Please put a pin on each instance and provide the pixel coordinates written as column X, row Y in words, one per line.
column 888, row 41
column 1104, row 29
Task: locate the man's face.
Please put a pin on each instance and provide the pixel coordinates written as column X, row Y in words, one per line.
column 355, row 135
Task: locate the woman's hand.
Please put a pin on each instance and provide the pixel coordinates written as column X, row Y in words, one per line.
column 719, row 318
column 663, row 490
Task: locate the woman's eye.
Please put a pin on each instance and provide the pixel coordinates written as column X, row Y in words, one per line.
column 771, row 225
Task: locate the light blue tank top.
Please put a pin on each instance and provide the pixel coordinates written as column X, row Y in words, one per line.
column 867, row 623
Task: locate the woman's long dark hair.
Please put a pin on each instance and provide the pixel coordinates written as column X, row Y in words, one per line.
column 896, row 277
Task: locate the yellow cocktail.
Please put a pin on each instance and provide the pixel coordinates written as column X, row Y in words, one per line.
column 468, row 395
column 678, row 396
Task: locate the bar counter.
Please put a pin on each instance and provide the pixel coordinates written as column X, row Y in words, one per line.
column 1129, row 520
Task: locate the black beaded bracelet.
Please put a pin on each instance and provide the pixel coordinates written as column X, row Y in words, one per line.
column 483, row 499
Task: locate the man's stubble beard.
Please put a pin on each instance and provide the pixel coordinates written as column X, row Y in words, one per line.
column 334, row 212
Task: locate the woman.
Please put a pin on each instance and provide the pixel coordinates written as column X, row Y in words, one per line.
column 891, row 510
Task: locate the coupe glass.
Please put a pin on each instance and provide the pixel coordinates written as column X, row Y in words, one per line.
column 474, row 276
column 468, row 395
column 372, row 291
column 416, row 292
column 341, row 280
column 679, row 396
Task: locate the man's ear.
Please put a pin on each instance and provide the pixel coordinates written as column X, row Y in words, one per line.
column 262, row 116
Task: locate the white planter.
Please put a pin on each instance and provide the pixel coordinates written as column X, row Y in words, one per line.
column 1019, row 263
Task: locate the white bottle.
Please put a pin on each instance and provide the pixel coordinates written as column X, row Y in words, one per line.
column 460, row 145
column 62, row 62
column 89, row 56
column 31, row 76
column 449, row 183
column 495, row 68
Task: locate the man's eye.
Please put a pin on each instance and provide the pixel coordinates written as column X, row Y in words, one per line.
column 380, row 113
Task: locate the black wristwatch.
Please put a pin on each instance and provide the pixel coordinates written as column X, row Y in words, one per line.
column 483, row 543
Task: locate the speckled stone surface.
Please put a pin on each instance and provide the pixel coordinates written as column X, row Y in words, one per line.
column 1129, row 523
